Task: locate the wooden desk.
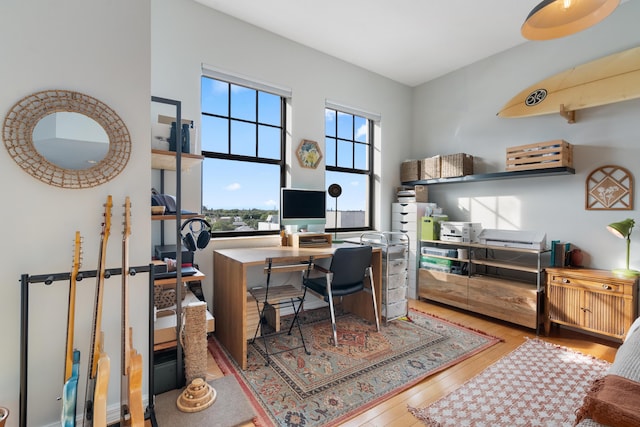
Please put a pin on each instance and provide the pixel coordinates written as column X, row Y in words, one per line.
column 230, row 267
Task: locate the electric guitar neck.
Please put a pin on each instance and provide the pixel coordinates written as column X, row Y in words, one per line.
column 72, row 356
column 131, row 406
column 99, row 362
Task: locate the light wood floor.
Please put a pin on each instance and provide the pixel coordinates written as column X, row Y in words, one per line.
column 393, row 412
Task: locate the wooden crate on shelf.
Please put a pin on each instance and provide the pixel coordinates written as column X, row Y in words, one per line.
column 541, row 155
column 452, row 165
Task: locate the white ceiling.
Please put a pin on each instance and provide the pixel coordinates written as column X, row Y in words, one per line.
column 409, row 41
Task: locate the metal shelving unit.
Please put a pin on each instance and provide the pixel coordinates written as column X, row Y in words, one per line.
column 395, row 264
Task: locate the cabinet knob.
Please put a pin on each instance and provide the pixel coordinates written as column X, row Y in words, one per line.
column 607, row 287
column 566, row 281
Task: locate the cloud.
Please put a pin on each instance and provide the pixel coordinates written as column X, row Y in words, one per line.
column 270, row 203
column 354, row 183
column 362, row 130
column 329, row 115
column 233, row 187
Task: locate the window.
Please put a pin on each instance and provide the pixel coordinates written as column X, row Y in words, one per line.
column 348, row 139
column 243, row 139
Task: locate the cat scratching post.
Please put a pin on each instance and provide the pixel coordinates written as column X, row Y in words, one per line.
column 198, row 395
column 195, row 341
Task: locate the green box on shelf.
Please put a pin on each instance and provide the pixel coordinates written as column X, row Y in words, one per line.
column 439, row 261
column 430, row 226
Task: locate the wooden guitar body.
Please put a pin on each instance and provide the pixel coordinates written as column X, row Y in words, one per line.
column 136, row 408
column 101, row 389
column 131, row 407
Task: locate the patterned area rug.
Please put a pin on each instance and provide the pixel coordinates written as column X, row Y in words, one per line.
column 334, row 384
column 538, row 384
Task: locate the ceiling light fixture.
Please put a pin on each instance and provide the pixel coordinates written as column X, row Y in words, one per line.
column 552, row 19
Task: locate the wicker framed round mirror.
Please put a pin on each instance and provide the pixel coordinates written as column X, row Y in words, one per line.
column 24, row 116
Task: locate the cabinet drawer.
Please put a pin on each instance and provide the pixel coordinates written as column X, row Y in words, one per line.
column 395, row 280
column 404, row 207
column 591, row 285
column 394, row 266
column 394, row 295
column 403, row 217
column 404, row 226
column 511, row 301
column 443, row 287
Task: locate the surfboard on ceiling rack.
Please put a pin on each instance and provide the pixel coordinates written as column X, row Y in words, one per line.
column 610, row 79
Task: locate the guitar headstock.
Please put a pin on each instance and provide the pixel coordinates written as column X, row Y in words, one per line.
column 126, row 230
column 107, row 216
column 77, row 255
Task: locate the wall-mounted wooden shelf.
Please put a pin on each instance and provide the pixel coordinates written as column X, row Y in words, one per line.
column 173, row 217
column 161, row 159
column 497, row 176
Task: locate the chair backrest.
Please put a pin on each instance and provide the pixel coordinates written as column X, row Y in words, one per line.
column 349, row 265
column 287, row 264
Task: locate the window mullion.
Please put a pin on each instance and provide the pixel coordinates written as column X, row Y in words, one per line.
column 229, row 119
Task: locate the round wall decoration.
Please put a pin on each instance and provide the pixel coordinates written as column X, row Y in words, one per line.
column 609, row 188
column 42, row 137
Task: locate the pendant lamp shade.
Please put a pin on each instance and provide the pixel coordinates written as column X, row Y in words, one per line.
column 552, row 19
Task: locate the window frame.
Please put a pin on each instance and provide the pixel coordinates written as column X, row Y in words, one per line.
column 369, row 172
column 244, row 158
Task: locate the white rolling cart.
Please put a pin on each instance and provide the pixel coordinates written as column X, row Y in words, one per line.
column 395, row 264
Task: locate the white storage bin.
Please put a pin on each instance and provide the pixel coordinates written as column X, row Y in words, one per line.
column 428, row 250
column 395, row 295
column 394, row 266
column 396, row 280
column 396, row 309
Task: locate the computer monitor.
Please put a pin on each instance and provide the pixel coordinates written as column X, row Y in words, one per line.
column 299, row 207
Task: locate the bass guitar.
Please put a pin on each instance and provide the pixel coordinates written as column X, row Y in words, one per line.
column 99, row 362
column 131, row 406
column 72, row 356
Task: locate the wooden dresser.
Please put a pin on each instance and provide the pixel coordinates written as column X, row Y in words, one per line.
column 592, row 300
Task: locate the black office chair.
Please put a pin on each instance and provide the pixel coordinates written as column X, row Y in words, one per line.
column 349, row 269
column 270, row 298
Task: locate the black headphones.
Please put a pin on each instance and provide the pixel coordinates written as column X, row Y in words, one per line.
column 197, row 236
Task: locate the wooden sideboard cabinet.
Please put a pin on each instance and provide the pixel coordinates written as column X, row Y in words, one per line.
column 592, row 300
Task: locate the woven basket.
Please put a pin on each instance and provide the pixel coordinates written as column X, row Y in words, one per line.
column 166, row 297
column 430, row 168
column 453, row 165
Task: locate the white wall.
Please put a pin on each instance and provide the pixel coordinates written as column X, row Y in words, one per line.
column 457, row 113
column 122, row 52
column 186, row 34
column 100, row 49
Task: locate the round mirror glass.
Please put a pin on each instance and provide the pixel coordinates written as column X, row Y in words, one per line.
column 70, row 140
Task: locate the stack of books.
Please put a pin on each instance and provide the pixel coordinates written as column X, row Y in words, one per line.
column 560, row 254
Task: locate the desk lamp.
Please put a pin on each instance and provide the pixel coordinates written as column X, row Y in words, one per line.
column 622, row 230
